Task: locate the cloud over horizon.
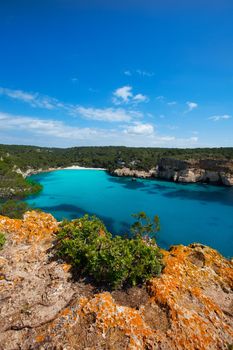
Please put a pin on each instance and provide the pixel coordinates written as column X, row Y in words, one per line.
column 140, row 129
column 135, row 75
column 55, row 133
column 121, row 123
column 37, row 100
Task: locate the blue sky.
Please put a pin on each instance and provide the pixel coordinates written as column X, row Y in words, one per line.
column 134, row 73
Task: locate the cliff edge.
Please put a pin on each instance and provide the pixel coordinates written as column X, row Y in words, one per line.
column 206, row 171
column 42, row 306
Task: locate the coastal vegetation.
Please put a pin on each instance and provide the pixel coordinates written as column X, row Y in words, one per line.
column 16, row 162
column 14, row 209
column 144, row 227
column 42, row 307
column 2, row 240
column 109, row 157
column 110, row 261
column 13, row 184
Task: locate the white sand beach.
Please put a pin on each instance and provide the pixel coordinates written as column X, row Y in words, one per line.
column 76, row 167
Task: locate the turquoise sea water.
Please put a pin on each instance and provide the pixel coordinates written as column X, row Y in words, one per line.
column 188, row 212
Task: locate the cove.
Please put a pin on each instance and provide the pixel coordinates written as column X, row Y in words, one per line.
column 188, row 212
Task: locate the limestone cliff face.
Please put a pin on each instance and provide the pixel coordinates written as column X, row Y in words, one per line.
column 188, row 307
column 31, row 171
column 208, row 171
column 134, row 173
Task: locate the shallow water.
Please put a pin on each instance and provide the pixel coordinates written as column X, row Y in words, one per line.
column 188, row 212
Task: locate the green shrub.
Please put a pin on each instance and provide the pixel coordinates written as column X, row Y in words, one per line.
column 144, row 226
column 13, row 185
column 14, row 209
column 30, row 188
column 110, row 261
column 2, row 240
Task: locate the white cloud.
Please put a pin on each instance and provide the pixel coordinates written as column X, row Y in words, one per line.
column 49, row 132
column 172, row 141
column 99, row 114
column 163, row 99
column 33, row 99
column 140, row 129
column 44, row 127
column 140, row 98
column 140, row 72
column 18, row 94
column 145, row 73
column 93, row 90
column 128, row 73
column 191, row 106
column 193, row 138
column 166, row 138
column 124, row 95
column 220, row 117
column 105, row 114
column 160, row 98
column 172, row 103
column 172, row 127
column 74, row 80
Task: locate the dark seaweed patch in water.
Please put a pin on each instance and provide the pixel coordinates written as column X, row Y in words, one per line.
column 151, row 192
column 116, row 199
column 161, row 187
column 44, row 177
column 74, row 212
column 128, row 183
column 225, row 198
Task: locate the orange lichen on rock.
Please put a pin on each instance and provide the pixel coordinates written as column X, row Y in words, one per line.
column 66, row 267
column 109, row 315
column 189, row 306
column 195, row 289
column 33, row 227
column 194, row 292
column 39, row 338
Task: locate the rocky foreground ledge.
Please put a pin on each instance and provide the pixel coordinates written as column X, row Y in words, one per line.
column 42, row 306
column 205, row 171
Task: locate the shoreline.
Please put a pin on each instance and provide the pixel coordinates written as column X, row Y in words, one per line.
column 30, row 172
column 77, row 167
column 126, row 172
column 188, row 176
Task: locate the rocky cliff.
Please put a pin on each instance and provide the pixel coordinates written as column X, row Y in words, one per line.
column 190, row 306
column 32, row 171
column 207, row 171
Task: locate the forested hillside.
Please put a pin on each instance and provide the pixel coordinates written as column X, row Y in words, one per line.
column 14, row 159
column 106, row 157
column 12, row 184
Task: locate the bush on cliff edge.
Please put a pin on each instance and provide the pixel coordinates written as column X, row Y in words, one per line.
column 2, row 240
column 110, row 261
column 14, row 209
